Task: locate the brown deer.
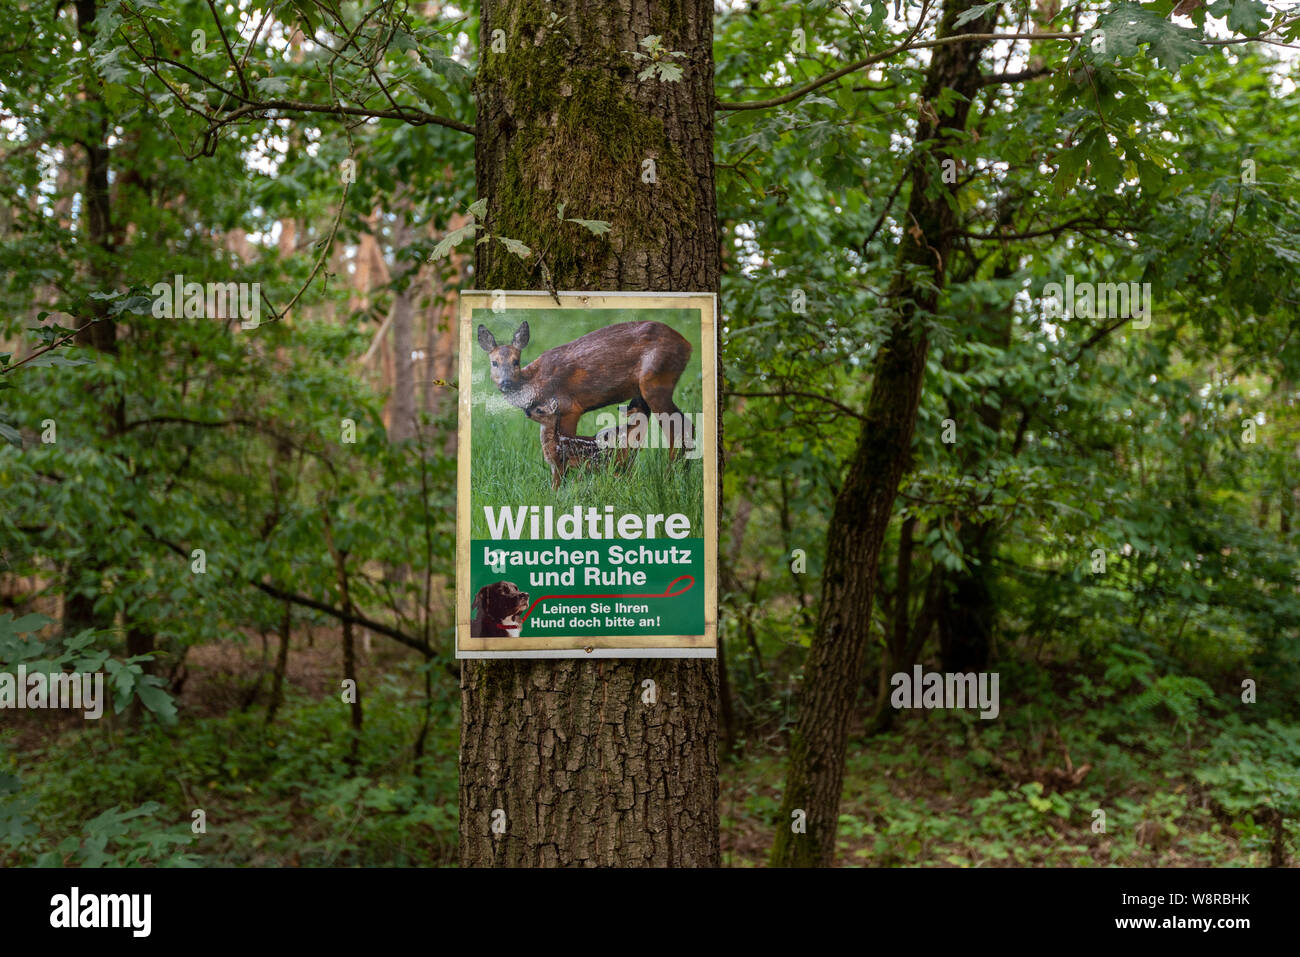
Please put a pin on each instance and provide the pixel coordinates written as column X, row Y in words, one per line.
column 616, row 444
column 625, row 361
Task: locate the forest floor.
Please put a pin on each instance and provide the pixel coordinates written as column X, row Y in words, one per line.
column 1052, row 788
column 939, row 789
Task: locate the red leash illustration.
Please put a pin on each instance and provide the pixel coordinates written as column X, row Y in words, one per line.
column 668, row 593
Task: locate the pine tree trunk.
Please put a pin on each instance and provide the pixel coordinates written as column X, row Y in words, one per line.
column 833, row 670
column 584, row 772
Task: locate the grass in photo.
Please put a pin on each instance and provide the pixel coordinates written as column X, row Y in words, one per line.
column 507, row 464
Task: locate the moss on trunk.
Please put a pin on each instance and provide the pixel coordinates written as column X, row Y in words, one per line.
column 584, row 772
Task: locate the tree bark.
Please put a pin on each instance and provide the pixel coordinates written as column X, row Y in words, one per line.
column 584, row 772
column 864, row 506
column 967, row 611
column 349, row 641
column 281, row 664
column 79, row 604
column 966, row 608
column 892, row 659
column 401, row 402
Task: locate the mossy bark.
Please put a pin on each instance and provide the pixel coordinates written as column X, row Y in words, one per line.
column 864, row 505
column 582, row 770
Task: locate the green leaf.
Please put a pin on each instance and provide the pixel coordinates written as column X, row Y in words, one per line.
column 272, row 84
column 157, row 700
column 669, row 72
column 53, row 359
column 1105, row 164
column 1070, row 164
column 974, row 13
column 597, row 226
column 310, row 17
column 1247, row 17
column 478, row 208
column 1127, row 25
column 516, row 247
column 451, row 240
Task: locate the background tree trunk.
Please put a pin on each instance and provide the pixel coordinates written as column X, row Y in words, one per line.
column 833, row 671
column 585, row 773
column 401, row 403
column 82, row 580
column 967, row 612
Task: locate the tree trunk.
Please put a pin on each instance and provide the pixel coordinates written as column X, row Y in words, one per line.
column 967, row 612
column 966, row 608
column 401, row 425
column 281, row 664
column 584, row 772
column 895, row 649
column 349, row 640
column 727, row 712
column 864, row 506
column 79, row 605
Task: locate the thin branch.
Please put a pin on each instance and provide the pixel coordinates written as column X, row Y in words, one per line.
column 326, row 244
column 53, row 345
column 276, row 592
column 885, row 55
column 409, row 116
column 221, row 31
column 1018, row 77
column 907, row 45
column 240, row 421
column 880, row 221
column 1079, row 224
column 1260, row 36
column 799, row 395
column 355, row 619
column 1093, row 339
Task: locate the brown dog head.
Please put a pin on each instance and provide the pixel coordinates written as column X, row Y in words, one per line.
column 497, row 609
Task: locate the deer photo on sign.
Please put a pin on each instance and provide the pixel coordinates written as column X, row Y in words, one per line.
column 586, row 513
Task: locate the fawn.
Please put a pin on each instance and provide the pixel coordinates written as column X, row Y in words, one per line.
column 615, row 443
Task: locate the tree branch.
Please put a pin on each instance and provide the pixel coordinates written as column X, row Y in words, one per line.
column 995, row 78
column 907, row 45
column 283, row 595
column 1079, row 223
column 53, row 345
column 885, row 55
column 798, row 395
column 410, row 116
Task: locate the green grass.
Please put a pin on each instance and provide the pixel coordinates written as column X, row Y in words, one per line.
column 507, row 467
